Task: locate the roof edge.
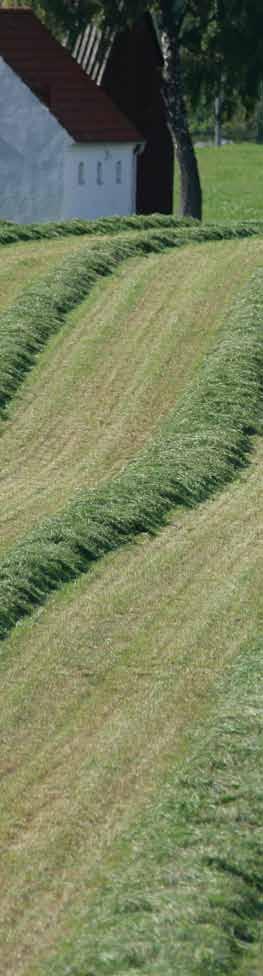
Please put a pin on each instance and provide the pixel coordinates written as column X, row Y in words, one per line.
column 130, row 133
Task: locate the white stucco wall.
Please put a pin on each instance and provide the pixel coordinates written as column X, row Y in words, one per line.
column 39, row 164
column 91, row 198
column 32, row 145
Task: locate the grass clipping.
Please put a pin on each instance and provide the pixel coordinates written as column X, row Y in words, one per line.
column 41, row 309
column 199, row 448
column 12, row 233
column 183, row 894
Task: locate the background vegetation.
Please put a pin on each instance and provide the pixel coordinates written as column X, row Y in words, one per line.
column 232, row 182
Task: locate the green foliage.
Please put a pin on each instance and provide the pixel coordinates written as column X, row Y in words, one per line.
column 222, row 51
column 62, row 17
column 241, row 127
column 204, row 442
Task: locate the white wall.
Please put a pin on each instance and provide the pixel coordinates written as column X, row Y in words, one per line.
column 32, row 145
column 93, row 199
column 39, row 164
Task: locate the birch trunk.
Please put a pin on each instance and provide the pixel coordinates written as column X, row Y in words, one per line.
column 190, row 192
column 218, row 113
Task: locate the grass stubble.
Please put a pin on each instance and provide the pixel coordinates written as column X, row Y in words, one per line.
column 103, row 385
column 205, row 440
column 40, row 311
column 105, row 695
column 189, row 893
column 183, row 893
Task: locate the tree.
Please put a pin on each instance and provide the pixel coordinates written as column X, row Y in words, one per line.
column 222, row 53
column 172, row 15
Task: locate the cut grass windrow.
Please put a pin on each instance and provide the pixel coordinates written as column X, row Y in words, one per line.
column 200, row 447
column 41, row 309
column 186, row 896
column 10, row 233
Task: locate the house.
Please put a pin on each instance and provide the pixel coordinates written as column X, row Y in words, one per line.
column 65, row 149
column 129, row 67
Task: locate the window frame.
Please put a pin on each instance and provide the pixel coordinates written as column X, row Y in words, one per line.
column 118, row 172
column 81, row 173
column 100, row 180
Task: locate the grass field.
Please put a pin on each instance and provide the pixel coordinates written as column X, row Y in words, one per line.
column 231, row 179
column 98, row 697
column 131, row 702
column 105, row 383
column 22, row 263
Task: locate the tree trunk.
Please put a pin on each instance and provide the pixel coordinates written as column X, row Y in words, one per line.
column 191, row 194
column 218, row 112
column 190, row 189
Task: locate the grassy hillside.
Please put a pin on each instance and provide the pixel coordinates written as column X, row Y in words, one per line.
column 23, row 263
column 99, row 695
column 105, row 382
column 131, row 709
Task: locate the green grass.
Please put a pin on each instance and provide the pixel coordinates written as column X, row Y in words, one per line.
column 103, row 698
column 40, row 311
column 202, row 444
column 105, row 381
column 11, row 232
column 25, row 263
column 231, row 179
column 131, row 712
column 188, row 897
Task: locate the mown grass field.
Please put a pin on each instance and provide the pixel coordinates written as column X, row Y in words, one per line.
column 23, row 263
column 104, row 384
column 131, row 698
column 231, row 179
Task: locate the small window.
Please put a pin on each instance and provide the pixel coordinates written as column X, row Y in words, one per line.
column 81, row 174
column 99, row 174
column 118, row 171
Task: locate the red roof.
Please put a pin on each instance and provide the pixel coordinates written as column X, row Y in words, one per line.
column 81, row 107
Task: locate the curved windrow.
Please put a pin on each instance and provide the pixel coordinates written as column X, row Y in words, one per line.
column 199, row 448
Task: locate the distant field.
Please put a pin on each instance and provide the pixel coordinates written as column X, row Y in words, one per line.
column 232, row 182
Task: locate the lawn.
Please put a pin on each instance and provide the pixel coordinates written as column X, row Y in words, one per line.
column 232, row 181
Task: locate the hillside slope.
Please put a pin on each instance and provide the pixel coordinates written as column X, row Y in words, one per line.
column 117, row 367
column 112, row 695
column 98, row 696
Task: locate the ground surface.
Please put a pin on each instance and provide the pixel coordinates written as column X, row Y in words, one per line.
column 103, row 385
column 231, row 179
column 110, row 689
